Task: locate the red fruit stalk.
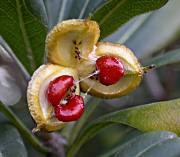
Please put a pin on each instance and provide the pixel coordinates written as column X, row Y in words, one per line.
column 110, row 68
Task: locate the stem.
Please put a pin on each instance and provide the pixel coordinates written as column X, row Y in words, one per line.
column 22, row 129
column 91, row 106
column 85, row 95
column 148, row 68
column 90, row 75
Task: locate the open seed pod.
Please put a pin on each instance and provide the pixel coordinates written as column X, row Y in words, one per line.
column 73, row 43
column 40, row 109
column 132, row 72
column 69, row 42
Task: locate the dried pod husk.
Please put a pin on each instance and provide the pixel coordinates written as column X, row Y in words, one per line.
column 70, row 41
column 41, row 111
column 131, row 79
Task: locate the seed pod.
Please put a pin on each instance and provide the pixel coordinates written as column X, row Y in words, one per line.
column 40, row 109
column 132, row 72
column 73, row 43
column 70, row 41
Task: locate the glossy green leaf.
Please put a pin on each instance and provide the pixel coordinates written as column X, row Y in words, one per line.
column 169, row 148
column 155, row 116
column 24, row 33
column 126, row 137
column 82, row 8
column 128, row 29
column 11, row 143
column 37, row 8
column 138, row 21
column 22, row 129
column 115, row 13
column 156, row 146
column 13, row 84
column 171, row 57
column 157, row 32
column 10, row 60
column 53, row 9
column 13, row 80
column 58, row 10
column 138, row 145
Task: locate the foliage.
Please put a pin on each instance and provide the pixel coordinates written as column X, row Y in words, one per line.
column 24, row 25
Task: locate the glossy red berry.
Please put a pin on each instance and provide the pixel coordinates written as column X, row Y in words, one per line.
column 111, row 70
column 58, row 88
column 70, row 111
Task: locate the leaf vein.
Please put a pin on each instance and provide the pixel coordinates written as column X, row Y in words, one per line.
column 111, row 12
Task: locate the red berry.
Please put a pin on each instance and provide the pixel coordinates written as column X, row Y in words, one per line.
column 57, row 89
column 111, row 70
column 70, row 111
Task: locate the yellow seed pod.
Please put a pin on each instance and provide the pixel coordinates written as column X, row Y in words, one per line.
column 73, row 43
column 70, row 41
column 40, row 109
column 131, row 79
column 72, row 48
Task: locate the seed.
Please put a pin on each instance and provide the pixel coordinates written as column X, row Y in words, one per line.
column 72, row 110
column 56, row 91
column 111, row 70
column 74, row 42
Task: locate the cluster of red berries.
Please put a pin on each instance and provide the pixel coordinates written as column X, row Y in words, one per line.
column 67, row 105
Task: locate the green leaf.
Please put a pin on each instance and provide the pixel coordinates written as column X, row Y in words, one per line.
column 15, row 79
column 22, row 129
column 155, row 116
column 133, row 27
column 38, row 9
column 58, row 10
column 13, row 76
column 53, row 9
column 156, row 33
column 138, row 145
column 171, row 57
column 90, row 107
column 11, row 143
column 6, row 51
column 23, row 32
column 127, row 137
column 81, row 8
column 115, row 13
column 169, row 148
